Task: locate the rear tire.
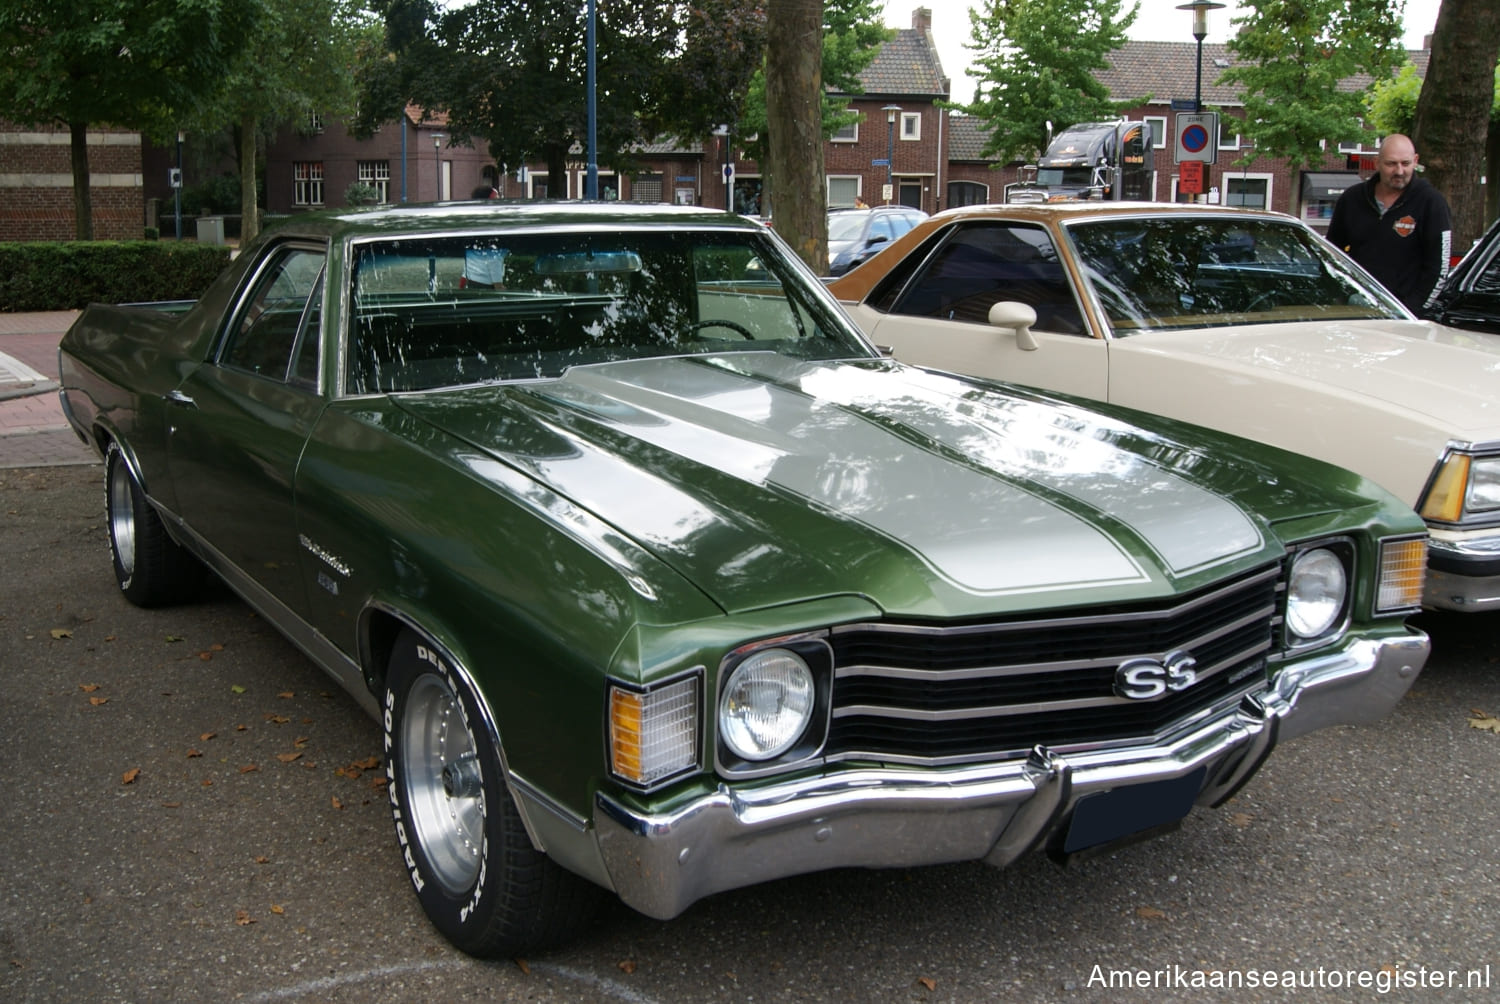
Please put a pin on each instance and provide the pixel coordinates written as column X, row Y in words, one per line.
column 151, row 568
column 479, row 878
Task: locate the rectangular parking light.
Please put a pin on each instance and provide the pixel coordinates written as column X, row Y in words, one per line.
column 1403, row 570
column 653, row 734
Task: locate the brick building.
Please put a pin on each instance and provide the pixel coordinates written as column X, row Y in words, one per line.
column 36, row 184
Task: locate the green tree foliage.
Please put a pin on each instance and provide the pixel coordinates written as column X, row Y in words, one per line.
column 1296, row 56
column 300, row 60
column 134, row 64
column 1037, row 61
column 512, row 73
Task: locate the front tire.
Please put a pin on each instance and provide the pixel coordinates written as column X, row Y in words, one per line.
column 479, row 878
column 151, row 568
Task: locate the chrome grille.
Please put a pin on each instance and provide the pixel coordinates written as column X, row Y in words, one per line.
column 950, row 693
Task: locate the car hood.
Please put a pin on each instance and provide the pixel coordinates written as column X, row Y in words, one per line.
column 766, row 480
column 1449, row 376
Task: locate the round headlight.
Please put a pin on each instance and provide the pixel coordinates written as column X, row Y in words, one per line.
column 1316, row 593
column 766, row 704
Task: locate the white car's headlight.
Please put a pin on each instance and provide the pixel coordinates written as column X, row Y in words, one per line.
column 1484, row 485
column 766, row 704
column 1463, row 486
column 1316, row 593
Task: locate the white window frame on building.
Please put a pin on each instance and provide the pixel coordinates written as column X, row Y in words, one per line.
column 978, row 188
column 307, row 183
column 377, row 174
column 1226, row 185
column 650, row 187
column 848, row 134
column 1228, row 140
column 850, row 185
column 314, row 122
column 1158, row 131
column 911, row 126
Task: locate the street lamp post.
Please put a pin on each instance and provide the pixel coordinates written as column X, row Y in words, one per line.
column 891, row 111
column 437, row 165
column 1200, row 9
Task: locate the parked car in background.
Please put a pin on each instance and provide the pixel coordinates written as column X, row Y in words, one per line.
column 661, row 580
column 856, row 234
column 1469, row 297
column 1240, row 320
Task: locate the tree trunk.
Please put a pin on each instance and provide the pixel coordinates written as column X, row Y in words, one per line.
column 83, row 203
column 249, row 210
column 794, row 120
column 1453, row 110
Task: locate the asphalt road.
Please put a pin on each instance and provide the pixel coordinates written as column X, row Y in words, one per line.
column 194, row 814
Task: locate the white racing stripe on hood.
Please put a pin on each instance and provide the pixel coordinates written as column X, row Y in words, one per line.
column 980, row 532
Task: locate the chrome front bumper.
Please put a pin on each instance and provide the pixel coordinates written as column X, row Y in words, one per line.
column 661, row 864
column 1463, row 573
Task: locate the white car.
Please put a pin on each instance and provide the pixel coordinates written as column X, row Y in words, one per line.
column 1240, row 320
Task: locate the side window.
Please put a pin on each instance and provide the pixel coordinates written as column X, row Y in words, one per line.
column 983, row 264
column 269, row 318
column 881, row 226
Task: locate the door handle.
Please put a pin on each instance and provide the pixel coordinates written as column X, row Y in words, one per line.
column 178, row 397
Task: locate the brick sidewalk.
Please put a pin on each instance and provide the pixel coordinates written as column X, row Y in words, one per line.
column 33, row 431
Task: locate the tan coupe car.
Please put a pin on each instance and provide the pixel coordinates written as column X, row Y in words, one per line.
column 1240, row 320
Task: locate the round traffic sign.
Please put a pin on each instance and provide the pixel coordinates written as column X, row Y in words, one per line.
column 1195, row 139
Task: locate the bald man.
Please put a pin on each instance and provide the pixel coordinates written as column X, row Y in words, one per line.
column 1396, row 225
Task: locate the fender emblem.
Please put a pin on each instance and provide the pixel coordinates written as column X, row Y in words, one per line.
column 1148, row 679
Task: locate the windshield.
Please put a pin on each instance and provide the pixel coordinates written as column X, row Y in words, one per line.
column 1054, row 177
column 1194, row 272
column 442, row 311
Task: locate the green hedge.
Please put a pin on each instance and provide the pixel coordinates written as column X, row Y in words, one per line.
column 67, row 276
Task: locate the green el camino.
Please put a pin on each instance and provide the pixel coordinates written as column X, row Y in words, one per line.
column 663, row 581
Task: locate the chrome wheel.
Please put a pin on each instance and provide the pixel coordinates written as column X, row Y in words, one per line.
column 444, row 783
column 122, row 516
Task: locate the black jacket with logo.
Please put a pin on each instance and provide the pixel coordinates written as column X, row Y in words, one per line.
column 1406, row 247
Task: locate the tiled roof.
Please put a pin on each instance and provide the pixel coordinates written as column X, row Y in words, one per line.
column 1166, row 70
column 906, row 66
column 966, row 138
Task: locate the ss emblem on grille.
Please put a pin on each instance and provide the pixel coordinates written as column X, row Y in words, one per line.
column 1144, row 679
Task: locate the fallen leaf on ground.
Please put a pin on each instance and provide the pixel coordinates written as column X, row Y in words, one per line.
column 1150, row 913
column 249, row 768
column 369, row 763
column 172, row 637
column 1240, row 819
column 207, row 736
column 171, row 805
column 927, row 982
column 130, row 775
column 521, row 965
column 96, row 701
column 286, row 695
column 61, row 633
column 193, row 753
column 205, row 656
column 242, row 917
column 262, row 859
column 288, row 757
column 88, row 688
column 277, row 909
column 236, row 689
column 336, row 803
column 216, row 647
column 626, row 965
column 1485, row 722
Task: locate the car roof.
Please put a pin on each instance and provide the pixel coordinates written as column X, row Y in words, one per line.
column 1058, row 212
